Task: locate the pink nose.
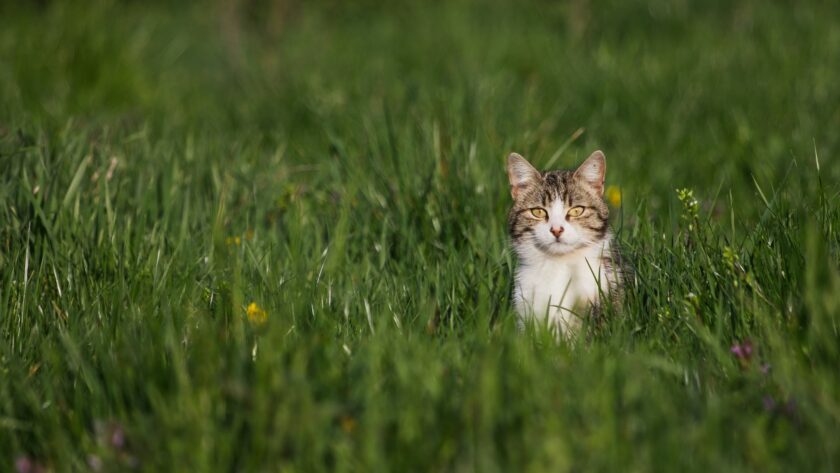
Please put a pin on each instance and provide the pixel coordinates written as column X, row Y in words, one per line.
column 557, row 231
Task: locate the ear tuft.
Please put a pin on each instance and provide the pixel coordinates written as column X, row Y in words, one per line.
column 521, row 174
column 593, row 170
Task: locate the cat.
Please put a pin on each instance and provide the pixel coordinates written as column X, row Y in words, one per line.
column 560, row 233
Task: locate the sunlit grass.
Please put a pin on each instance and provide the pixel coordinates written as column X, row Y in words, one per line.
column 275, row 239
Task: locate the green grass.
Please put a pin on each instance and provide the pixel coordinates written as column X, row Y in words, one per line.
column 357, row 153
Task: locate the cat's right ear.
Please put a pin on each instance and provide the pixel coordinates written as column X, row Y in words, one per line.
column 521, row 174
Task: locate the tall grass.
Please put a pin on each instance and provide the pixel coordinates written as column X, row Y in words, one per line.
column 341, row 168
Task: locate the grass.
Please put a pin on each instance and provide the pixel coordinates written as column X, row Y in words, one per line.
column 342, row 168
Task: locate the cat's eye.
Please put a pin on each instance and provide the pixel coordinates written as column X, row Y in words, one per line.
column 575, row 212
column 539, row 213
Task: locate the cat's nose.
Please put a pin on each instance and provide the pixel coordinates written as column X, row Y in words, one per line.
column 557, row 231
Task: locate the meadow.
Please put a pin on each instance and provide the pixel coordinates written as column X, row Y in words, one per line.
column 270, row 236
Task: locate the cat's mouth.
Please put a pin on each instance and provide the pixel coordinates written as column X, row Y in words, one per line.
column 556, row 247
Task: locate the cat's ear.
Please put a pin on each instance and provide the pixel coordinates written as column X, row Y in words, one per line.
column 521, row 174
column 593, row 170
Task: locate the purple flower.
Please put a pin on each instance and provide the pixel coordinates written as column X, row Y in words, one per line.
column 24, row 464
column 748, row 348
column 117, row 437
column 742, row 351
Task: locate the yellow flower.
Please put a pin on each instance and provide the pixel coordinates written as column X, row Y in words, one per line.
column 348, row 424
column 256, row 314
column 613, row 195
column 233, row 240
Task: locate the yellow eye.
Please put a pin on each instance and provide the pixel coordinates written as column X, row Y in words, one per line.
column 575, row 212
column 538, row 213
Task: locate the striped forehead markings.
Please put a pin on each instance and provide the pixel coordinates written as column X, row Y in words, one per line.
column 556, row 186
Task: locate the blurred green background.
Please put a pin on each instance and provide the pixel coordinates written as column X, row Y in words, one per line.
column 174, row 173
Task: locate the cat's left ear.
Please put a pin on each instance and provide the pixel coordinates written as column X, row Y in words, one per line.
column 593, row 170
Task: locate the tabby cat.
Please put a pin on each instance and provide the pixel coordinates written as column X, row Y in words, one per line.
column 559, row 230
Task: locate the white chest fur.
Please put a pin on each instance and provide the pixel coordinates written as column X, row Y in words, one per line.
column 560, row 287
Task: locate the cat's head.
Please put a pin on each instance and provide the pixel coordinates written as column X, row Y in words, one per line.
column 557, row 212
